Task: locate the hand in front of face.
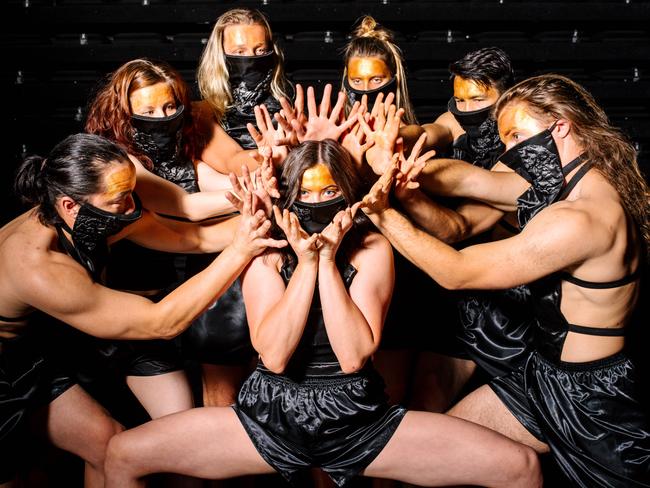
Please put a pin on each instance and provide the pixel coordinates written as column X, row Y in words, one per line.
column 251, row 237
column 289, row 114
column 376, row 201
column 304, row 245
column 330, row 239
column 410, row 169
column 382, row 128
column 271, row 142
column 322, row 124
column 256, row 187
column 354, row 139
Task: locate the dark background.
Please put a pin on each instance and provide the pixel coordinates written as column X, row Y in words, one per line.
column 55, row 51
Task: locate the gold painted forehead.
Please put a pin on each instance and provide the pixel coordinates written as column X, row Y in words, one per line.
column 317, row 177
column 467, row 89
column 367, row 67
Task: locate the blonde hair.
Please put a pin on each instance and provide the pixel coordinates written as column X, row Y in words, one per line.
column 212, row 74
column 370, row 40
column 553, row 97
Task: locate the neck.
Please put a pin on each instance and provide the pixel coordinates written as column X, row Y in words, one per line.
column 569, row 151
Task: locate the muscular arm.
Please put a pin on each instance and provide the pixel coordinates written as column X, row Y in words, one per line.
column 170, row 235
column 354, row 320
column 64, row 290
column 440, row 133
column 277, row 315
column 164, row 197
column 552, row 241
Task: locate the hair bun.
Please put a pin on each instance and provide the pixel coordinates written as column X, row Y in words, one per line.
column 368, row 27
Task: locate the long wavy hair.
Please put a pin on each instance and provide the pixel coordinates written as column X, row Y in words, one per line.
column 338, row 161
column 553, row 97
column 370, row 40
column 109, row 113
column 212, row 74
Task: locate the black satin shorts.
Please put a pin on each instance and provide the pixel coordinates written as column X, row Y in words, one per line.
column 497, row 329
column 588, row 414
column 338, row 423
column 27, row 382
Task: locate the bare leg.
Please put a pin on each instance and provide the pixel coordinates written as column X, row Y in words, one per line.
column 205, row 442
column 431, row 449
column 221, row 384
column 483, row 407
column 162, row 394
column 76, row 423
column 396, row 367
column 438, row 381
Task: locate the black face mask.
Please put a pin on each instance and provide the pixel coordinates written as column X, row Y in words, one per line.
column 90, row 231
column 314, row 217
column 537, row 159
column 159, row 137
column 250, row 79
column 355, row 95
column 470, row 121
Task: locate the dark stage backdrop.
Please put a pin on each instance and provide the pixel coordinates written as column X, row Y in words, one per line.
column 55, row 51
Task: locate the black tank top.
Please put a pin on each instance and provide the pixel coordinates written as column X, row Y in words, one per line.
column 314, row 352
column 553, row 326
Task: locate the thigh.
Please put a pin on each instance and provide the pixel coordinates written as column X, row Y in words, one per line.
column 431, row 449
column 207, row 442
column 162, row 394
column 484, row 407
column 75, row 422
column 221, row 383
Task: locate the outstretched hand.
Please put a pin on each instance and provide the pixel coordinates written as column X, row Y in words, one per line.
column 257, row 187
column 410, row 169
column 376, row 201
column 383, row 132
column 251, row 237
column 330, row 239
column 271, row 141
column 304, row 245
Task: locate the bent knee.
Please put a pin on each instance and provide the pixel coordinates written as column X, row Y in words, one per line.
column 528, row 472
column 119, row 451
column 98, row 438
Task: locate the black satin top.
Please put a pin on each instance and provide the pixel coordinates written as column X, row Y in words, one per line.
column 482, row 151
column 314, row 355
column 546, row 293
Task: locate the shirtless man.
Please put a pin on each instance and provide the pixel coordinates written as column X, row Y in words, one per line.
column 585, row 227
column 51, row 259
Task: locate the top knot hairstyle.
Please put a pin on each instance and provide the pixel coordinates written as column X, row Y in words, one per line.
column 551, row 97
column 370, row 40
column 75, row 167
column 487, row 67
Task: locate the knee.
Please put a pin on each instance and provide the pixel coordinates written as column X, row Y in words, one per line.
column 99, row 437
column 118, row 454
column 528, row 472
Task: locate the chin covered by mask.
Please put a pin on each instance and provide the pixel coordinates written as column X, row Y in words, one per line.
column 91, row 229
column 355, row 95
column 314, row 217
column 250, row 79
column 537, row 159
column 159, row 137
column 480, row 145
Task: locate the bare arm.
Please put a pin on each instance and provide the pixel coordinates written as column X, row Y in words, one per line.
column 354, row 320
column 164, row 197
column 170, row 235
column 210, row 179
column 440, row 133
column 60, row 287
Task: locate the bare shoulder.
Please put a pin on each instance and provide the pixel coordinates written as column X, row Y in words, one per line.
column 448, row 120
column 375, row 250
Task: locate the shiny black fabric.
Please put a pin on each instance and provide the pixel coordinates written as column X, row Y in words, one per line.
column 355, row 95
column 497, row 328
column 339, row 423
column 237, row 116
column 220, row 335
column 589, row 415
column 28, row 381
column 314, row 345
column 315, row 217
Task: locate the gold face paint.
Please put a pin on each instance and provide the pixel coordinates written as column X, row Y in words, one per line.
column 153, row 101
column 318, row 185
column 471, row 96
column 119, row 182
column 516, row 124
column 367, row 73
column 245, row 40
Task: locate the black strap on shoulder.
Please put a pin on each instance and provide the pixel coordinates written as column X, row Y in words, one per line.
column 509, row 227
column 574, row 181
column 597, row 331
column 605, row 284
column 15, row 319
column 572, row 165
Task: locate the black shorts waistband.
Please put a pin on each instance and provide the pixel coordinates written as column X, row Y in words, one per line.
column 603, row 363
column 317, row 373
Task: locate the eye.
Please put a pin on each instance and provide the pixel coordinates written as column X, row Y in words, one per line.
column 260, row 51
column 302, row 193
column 331, row 191
column 378, row 79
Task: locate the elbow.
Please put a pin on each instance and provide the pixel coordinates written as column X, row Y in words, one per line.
column 352, row 365
column 274, row 364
